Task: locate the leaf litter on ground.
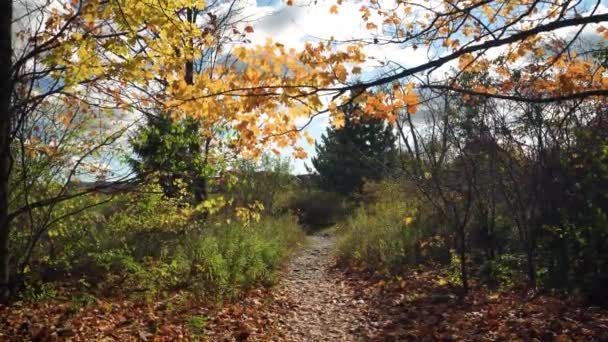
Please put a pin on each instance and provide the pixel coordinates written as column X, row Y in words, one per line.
column 317, row 300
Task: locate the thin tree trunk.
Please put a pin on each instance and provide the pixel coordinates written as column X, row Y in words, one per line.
column 200, row 182
column 5, row 152
column 531, row 268
column 464, row 276
column 189, row 74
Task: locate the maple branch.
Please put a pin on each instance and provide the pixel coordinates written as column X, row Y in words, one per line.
column 479, row 47
column 564, row 97
column 125, row 180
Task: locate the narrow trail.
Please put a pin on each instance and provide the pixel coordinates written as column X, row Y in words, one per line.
column 318, row 303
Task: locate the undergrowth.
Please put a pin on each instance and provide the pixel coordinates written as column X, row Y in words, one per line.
column 146, row 246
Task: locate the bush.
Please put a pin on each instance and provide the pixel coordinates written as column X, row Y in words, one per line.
column 265, row 181
column 575, row 257
column 319, row 209
column 390, row 231
column 217, row 261
column 504, row 271
column 381, row 237
column 148, row 244
column 232, row 257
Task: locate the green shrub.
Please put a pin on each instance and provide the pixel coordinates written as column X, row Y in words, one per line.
column 38, row 291
column 393, row 229
column 232, row 257
column 147, row 244
column 382, row 237
column 503, row 271
column 197, row 324
column 266, row 181
column 215, row 262
column 574, row 257
column 319, row 209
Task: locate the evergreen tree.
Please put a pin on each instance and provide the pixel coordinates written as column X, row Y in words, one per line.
column 363, row 149
column 172, row 150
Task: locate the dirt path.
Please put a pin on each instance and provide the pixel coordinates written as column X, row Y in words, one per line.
column 318, row 303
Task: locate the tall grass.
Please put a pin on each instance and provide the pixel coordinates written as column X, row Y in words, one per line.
column 380, row 237
column 232, row 257
column 146, row 244
column 389, row 232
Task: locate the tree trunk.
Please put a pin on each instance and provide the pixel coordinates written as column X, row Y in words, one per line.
column 189, row 73
column 200, row 188
column 531, row 268
column 492, row 247
column 5, row 140
column 464, row 276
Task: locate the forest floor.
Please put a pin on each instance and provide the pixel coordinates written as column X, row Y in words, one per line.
column 318, row 301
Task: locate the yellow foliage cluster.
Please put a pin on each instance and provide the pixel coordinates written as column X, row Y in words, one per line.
column 542, row 63
column 136, row 54
column 256, row 95
column 250, row 213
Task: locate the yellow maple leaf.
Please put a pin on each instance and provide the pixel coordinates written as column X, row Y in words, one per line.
column 300, row 153
column 338, row 120
column 340, row 72
column 407, row 220
column 309, row 138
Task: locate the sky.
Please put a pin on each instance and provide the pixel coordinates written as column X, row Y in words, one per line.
column 304, row 22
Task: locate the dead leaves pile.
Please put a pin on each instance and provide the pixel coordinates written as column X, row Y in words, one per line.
column 129, row 320
column 59, row 320
column 418, row 307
